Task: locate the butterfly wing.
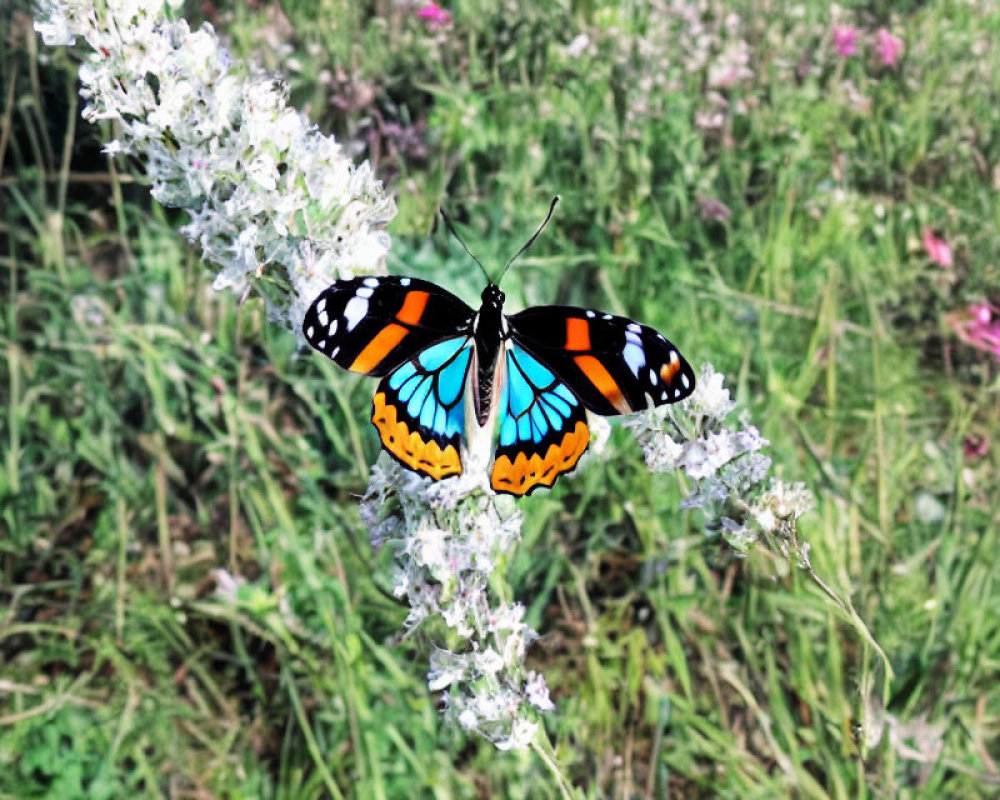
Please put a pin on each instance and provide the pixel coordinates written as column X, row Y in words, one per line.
column 374, row 325
column 612, row 364
column 416, row 337
column 543, row 426
column 419, row 410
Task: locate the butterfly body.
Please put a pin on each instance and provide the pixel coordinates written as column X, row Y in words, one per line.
column 531, row 376
column 489, row 339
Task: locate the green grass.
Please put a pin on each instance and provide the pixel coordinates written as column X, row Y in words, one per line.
column 153, row 431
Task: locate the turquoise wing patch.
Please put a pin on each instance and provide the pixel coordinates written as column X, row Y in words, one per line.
column 543, row 426
column 419, row 409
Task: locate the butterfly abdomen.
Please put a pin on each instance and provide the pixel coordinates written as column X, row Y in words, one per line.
column 488, row 338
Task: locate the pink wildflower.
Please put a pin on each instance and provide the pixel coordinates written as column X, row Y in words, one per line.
column 976, row 446
column 435, row 16
column 888, row 47
column 938, row 249
column 731, row 67
column 845, row 40
column 712, row 209
column 978, row 326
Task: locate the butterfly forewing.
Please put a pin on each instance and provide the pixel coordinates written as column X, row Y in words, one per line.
column 613, row 364
column 373, row 325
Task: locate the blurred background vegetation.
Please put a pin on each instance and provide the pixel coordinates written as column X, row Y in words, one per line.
column 730, row 174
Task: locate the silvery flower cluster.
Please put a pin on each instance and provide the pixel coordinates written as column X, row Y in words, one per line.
column 449, row 538
column 725, row 464
column 265, row 190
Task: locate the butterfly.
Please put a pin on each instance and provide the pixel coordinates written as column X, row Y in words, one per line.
column 531, row 375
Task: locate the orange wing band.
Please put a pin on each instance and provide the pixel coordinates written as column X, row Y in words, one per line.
column 413, row 308
column 577, row 334
column 524, row 474
column 378, row 348
column 419, row 455
column 667, row 371
column 606, row 385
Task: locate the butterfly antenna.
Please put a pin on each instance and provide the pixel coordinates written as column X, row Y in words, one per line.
column 530, row 241
column 453, row 232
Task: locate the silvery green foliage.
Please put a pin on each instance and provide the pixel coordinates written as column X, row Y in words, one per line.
column 449, row 538
column 725, row 464
column 264, row 189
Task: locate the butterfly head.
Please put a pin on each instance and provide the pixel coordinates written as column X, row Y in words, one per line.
column 493, row 297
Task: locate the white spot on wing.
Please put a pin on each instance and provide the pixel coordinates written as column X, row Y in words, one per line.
column 364, row 292
column 310, row 331
column 373, row 282
column 323, row 318
column 652, row 376
column 673, row 356
column 634, row 327
column 685, row 382
column 605, row 316
column 333, row 353
column 663, row 395
column 591, row 314
column 334, row 326
column 355, row 311
column 404, row 282
column 634, row 357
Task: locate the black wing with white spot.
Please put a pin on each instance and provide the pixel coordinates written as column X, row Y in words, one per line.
column 613, row 364
column 375, row 324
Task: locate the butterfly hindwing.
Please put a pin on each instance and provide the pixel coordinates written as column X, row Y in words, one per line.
column 543, row 426
column 613, row 364
column 419, row 410
column 373, row 325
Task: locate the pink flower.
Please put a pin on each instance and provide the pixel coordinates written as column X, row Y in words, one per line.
column 435, row 16
column 845, row 40
column 712, row 209
column 938, row 249
column 888, row 47
column 979, row 326
column 976, row 446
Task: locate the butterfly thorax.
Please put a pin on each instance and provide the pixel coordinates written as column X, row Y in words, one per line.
column 488, row 337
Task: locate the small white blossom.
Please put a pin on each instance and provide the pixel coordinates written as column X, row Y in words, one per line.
column 53, row 25
column 489, row 662
column 765, row 518
column 520, row 736
column 578, row 46
column 788, row 500
column 227, row 584
column 710, row 397
column 446, row 669
column 538, row 693
column 467, row 719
